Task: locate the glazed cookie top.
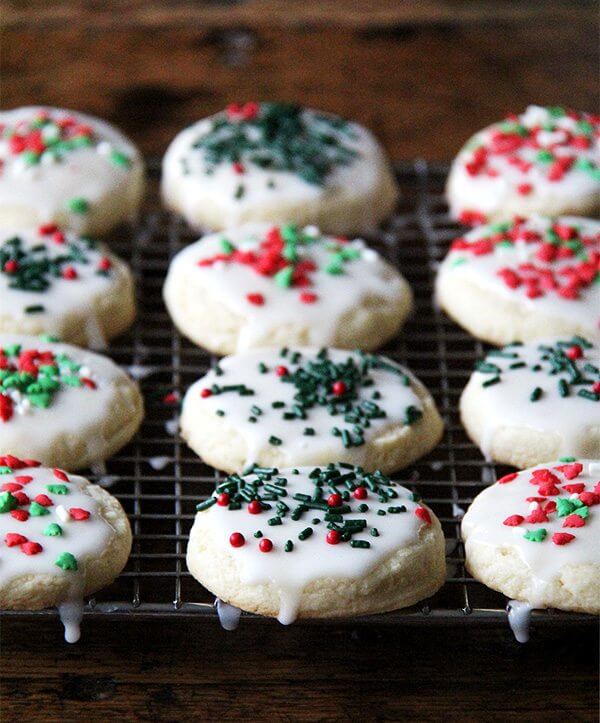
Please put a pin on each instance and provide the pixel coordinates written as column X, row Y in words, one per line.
column 291, row 527
column 285, row 276
column 548, row 264
column 548, row 152
column 256, row 152
column 49, row 523
column 61, row 162
column 47, row 388
column 312, row 404
column 49, row 274
column 551, row 385
column 548, row 513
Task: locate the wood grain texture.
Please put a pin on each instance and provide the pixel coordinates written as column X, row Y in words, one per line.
column 423, row 90
column 189, row 670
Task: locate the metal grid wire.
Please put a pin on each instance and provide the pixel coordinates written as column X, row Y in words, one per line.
column 159, row 480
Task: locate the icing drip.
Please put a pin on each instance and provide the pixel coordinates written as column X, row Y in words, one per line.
column 519, row 617
column 229, row 616
column 292, row 527
column 312, row 405
column 550, row 265
column 159, row 463
column 251, row 272
column 49, row 525
column 548, row 514
column 549, row 386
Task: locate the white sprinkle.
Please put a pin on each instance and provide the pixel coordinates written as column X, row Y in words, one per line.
column 62, row 513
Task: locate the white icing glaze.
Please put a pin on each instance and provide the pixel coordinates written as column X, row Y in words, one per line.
column 64, row 296
column 519, row 617
column 40, row 193
column 507, row 403
column 366, row 276
column 483, row 271
column 85, row 539
column 483, row 523
column 74, row 412
column 492, row 195
column 265, row 188
column 297, row 448
column 312, row 558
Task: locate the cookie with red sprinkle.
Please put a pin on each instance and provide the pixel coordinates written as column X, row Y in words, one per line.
column 59, row 283
column 278, row 162
column 545, row 160
column 261, row 285
column 62, row 167
column 529, row 403
column 299, row 406
column 71, row 542
column 524, row 279
column 535, row 537
column 63, row 405
column 330, row 541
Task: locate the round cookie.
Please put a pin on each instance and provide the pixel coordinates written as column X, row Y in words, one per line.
column 58, row 283
column 316, row 542
column 63, row 405
column 527, row 404
column 263, row 285
column 546, row 160
column 533, row 536
column 278, row 162
column 525, row 279
column 306, row 407
column 61, row 538
column 63, row 167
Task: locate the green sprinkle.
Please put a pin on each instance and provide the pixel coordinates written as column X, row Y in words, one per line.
column 66, row 561
column 37, row 510
column 52, row 530
column 275, row 441
column 78, row 205
column 289, row 546
column 306, row 533
column 536, row 394
column 206, row 504
column 8, row 501
column 360, row 544
column 58, row 489
column 283, row 278
column 536, row 535
column 120, row 159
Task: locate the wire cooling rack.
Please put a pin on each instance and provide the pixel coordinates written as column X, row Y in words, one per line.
column 159, row 480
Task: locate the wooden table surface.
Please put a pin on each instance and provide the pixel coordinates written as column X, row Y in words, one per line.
column 423, row 75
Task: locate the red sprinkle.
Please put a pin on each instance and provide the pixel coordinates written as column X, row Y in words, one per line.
column 562, row 538
column 204, row 393
column 77, row 513
column 265, row 545
column 59, row 474
column 513, row 520
column 13, row 538
column 43, row 500
column 334, row 500
column 574, row 352
column 360, row 493
column 574, row 521
column 256, row 299
column 281, row 371
column 20, row 515
column 571, row 471
column 589, row 498
column 307, row 297
column 525, row 189
column 31, row 548
column 255, row 508
column 507, row 478
column 236, row 539
column 333, row 537
column 223, row 499
column 339, row 388
column 423, row 514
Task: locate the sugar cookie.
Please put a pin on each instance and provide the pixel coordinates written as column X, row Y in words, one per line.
column 263, row 285
column 523, row 280
column 316, row 542
column 63, row 405
column 278, row 162
column 63, row 167
column 305, row 407
column 534, row 536
column 546, row 160
column 527, row 404
column 60, row 538
column 58, row 283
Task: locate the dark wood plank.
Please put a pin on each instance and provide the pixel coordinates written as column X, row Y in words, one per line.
column 423, row 90
column 191, row 670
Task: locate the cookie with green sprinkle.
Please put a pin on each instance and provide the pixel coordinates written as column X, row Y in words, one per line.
column 542, row 161
column 278, row 162
column 78, row 546
column 544, row 401
column 59, row 283
column 261, row 285
column 299, row 406
column 332, row 552
column 67, row 168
